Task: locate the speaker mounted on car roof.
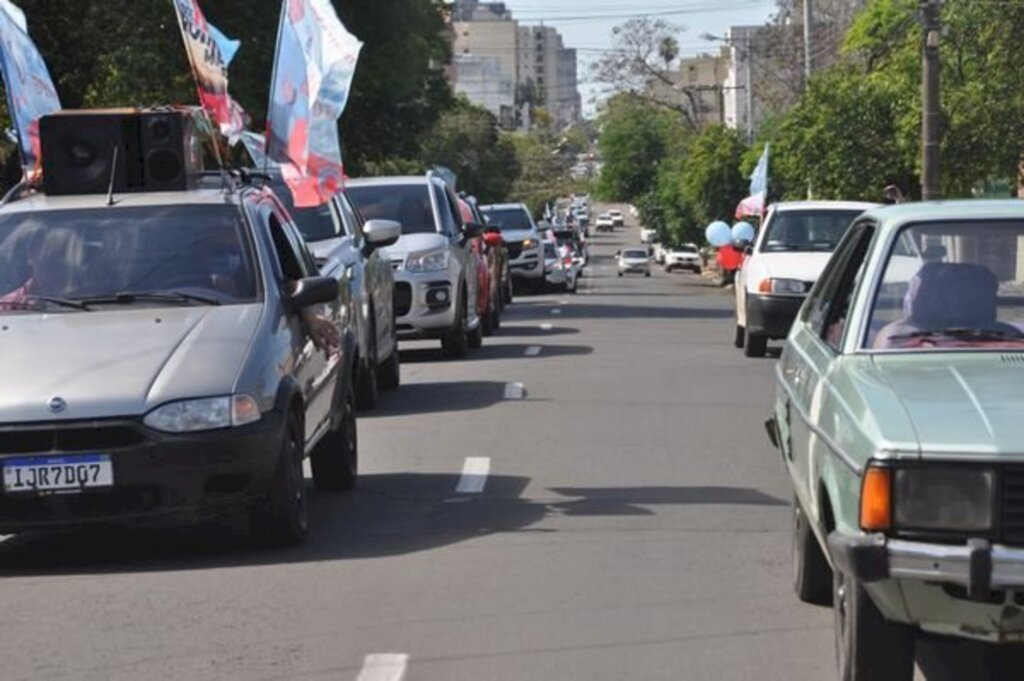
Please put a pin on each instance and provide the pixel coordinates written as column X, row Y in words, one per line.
column 131, row 150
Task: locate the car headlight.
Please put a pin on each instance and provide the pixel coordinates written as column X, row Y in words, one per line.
column 928, row 498
column 782, row 286
column 530, row 243
column 207, row 413
column 429, row 261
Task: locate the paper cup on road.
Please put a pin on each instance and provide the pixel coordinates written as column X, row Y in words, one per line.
column 718, row 234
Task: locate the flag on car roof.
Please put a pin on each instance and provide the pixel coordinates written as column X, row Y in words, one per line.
column 210, row 52
column 30, row 91
column 313, row 69
column 754, row 204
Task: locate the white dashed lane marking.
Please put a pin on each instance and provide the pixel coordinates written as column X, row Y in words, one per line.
column 384, row 667
column 556, row 311
column 474, row 475
column 547, row 326
column 514, row 391
column 533, row 351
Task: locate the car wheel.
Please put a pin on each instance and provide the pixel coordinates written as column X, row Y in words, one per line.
column 475, row 337
column 453, row 344
column 620, row 274
column 496, row 313
column 283, row 517
column 368, row 391
column 486, row 320
column 391, row 371
column 698, row 271
column 647, row 274
column 335, row 459
column 868, row 647
column 756, row 345
column 812, row 576
column 740, row 339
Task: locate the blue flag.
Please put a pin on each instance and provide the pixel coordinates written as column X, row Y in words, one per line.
column 30, row 91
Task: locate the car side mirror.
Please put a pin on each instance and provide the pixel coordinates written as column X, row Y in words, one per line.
column 313, row 291
column 381, row 233
column 472, row 230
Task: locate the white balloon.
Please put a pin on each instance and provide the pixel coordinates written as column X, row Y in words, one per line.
column 743, row 231
column 718, row 234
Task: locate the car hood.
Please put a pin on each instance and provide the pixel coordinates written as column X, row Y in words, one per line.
column 959, row 404
column 323, row 250
column 415, row 243
column 805, row 266
column 124, row 362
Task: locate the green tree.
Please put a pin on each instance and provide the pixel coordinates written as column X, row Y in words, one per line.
column 712, row 184
column 466, row 140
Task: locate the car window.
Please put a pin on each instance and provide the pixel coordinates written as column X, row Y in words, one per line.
column 806, row 230
column 316, row 223
column 829, row 300
column 407, row 204
column 200, row 249
column 291, row 255
column 449, row 223
column 508, row 219
column 951, row 285
column 352, row 221
column 635, row 254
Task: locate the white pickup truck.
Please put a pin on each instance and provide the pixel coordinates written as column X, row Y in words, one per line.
column 685, row 257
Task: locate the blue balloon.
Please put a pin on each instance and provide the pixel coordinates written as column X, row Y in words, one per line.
column 743, row 231
column 718, row 234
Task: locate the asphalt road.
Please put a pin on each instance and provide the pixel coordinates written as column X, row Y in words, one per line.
column 621, row 516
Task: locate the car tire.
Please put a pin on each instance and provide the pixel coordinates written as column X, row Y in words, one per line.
column 454, row 342
column 282, row 519
column 698, row 271
column 647, row 274
column 335, row 459
column 496, row 312
column 868, row 647
column 740, row 338
column 812, row 576
column 475, row 337
column 391, row 371
column 367, row 389
column 756, row 345
column 487, row 320
column 620, row 274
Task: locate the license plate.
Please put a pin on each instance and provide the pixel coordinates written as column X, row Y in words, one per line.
column 58, row 473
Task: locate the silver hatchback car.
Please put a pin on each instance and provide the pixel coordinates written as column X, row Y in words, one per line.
column 159, row 362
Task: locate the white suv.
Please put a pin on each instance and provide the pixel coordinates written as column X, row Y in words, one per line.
column 522, row 239
column 787, row 257
column 685, row 257
column 435, row 278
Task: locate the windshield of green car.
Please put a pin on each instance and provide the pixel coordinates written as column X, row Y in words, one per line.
column 67, row 259
column 951, row 285
column 806, row 230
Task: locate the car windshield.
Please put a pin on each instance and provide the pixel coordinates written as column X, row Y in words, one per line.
column 408, row 204
column 686, row 249
column 951, row 285
column 634, row 254
column 318, row 223
column 58, row 259
column 807, row 230
column 508, row 219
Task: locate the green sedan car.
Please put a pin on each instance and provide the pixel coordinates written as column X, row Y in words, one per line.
column 899, row 413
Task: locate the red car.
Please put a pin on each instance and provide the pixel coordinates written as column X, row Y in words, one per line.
column 489, row 305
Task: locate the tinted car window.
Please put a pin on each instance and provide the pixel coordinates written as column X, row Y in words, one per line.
column 317, row 223
column 82, row 253
column 811, row 230
column 508, row 218
column 407, row 204
column 635, row 254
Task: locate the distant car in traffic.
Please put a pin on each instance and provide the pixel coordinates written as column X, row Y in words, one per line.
column 897, row 411
column 436, row 283
column 683, row 257
column 604, row 223
column 648, row 235
column 560, row 271
column 523, row 239
column 618, row 220
column 782, row 265
column 634, row 261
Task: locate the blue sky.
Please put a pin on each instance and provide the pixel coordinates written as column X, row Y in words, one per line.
column 587, row 24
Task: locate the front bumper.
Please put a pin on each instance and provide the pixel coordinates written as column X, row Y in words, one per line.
column 158, row 479
column 772, row 316
column 634, row 269
column 527, row 264
column 428, row 303
column 683, row 265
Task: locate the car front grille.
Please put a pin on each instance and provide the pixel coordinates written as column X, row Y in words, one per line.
column 515, row 249
column 1012, row 510
column 403, row 298
column 72, row 437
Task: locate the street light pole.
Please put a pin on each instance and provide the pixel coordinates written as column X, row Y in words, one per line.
column 807, row 42
column 931, row 119
column 749, row 59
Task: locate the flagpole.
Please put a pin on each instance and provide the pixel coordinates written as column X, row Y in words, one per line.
column 273, row 84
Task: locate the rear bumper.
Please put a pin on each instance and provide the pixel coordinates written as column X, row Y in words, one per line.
column 772, row 316
column 159, row 480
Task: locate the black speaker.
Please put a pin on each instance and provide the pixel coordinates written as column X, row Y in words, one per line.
column 79, row 149
column 171, row 153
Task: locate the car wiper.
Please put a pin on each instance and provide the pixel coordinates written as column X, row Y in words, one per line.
column 961, row 333
column 131, row 297
column 63, row 302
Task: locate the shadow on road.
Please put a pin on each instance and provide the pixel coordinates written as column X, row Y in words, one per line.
column 497, row 350
column 389, row 514
column 531, row 331
column 948, row 659
column 432, row 398
column 615, row 311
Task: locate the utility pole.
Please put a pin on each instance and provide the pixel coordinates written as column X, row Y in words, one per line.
column 807, row 43
column 749, row 59
column 931, row 120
